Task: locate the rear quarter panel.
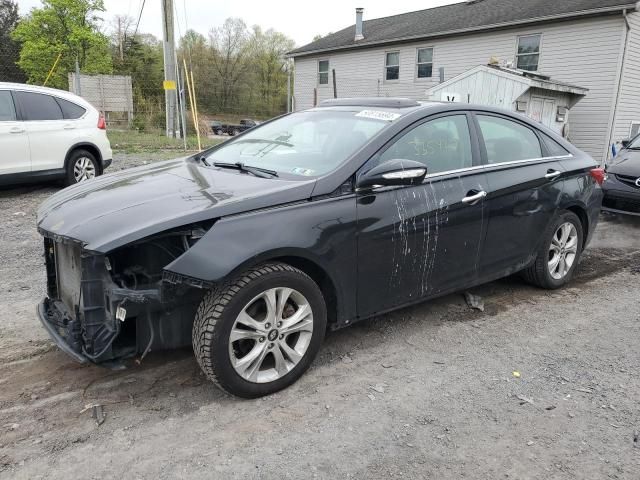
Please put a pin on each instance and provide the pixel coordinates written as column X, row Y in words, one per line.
column 581, row 192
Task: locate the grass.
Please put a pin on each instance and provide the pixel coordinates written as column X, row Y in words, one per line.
column 131, row 141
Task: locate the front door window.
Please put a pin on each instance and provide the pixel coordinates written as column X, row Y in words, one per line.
column 443, row 144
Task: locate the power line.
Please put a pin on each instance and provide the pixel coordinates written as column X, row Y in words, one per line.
column 186, row 29
column 139, row 17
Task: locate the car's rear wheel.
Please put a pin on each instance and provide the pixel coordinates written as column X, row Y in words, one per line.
column 559, row 254
column 260, row 332
column 235, row 132
column 82, row 165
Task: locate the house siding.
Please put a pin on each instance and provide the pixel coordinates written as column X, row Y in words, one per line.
column 583, row 52
column 628, row 110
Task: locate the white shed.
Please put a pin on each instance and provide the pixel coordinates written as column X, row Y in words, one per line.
column 537, row 96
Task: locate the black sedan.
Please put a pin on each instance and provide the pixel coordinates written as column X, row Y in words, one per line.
column 249, row 251
column 622, row 187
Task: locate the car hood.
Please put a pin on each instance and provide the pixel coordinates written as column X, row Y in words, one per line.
column 627, row 163
column 118, row 208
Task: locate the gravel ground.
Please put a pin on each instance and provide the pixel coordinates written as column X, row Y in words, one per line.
column 425, row 392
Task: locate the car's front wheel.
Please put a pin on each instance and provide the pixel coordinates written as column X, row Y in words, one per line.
column 82, row 165
column 559, row 253
column 260, row 332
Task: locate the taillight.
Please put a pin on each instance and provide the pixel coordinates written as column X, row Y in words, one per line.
column 599, row 175
column 102, row 125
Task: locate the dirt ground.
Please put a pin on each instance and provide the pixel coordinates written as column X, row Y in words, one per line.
column 425, row 392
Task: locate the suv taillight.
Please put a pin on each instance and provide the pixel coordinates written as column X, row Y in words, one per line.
column 102, row 125
column 599, row 175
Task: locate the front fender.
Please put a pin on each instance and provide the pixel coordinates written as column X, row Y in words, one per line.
column 320, row 231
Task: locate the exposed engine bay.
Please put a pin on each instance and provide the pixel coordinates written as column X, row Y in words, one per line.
column 107, row 308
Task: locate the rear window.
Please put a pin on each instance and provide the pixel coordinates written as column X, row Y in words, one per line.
column 70, row 111
column 37, row 106
column 7, row 109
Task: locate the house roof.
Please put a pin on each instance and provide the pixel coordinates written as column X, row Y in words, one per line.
column 460, row 18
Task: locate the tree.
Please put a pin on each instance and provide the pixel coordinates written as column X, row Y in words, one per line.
column 123, row 30
column 9, row 49
column 67, row 27
column 230, row 61
column 140, row 56
column 199, row 56
column 270, row 69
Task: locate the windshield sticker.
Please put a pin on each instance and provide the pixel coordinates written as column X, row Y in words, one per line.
column 379, row 115
column 307, row 172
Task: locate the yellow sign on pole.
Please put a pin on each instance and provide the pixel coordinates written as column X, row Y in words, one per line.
column 169, row 84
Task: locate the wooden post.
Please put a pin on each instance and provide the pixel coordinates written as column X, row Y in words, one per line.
column 335, row 89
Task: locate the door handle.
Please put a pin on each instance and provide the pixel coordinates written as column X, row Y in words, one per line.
column 471, row 199
column 551, row 174
column 69, row 127
column 17, row 130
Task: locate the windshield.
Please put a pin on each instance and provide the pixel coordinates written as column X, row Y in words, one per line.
column 309, row 143
column 635, row 143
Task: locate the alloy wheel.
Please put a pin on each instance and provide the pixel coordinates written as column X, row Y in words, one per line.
column 84, row 169
column 563, row 250
column 271, row 335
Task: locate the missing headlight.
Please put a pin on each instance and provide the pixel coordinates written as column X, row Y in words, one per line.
column 139, row 265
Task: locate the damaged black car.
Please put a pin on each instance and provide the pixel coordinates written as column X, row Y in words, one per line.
column 251, row 250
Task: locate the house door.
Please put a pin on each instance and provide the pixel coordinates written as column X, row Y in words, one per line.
column 542, row 110
column 548, row 111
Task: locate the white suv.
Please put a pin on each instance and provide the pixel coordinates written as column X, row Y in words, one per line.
column 50, row 134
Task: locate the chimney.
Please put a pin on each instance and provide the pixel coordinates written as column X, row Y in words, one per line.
column 359, row 32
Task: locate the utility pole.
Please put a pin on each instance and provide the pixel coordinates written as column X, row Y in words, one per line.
column 120, row 40
column 169, row 84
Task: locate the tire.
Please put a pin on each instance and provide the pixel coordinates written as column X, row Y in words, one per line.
column 235, row 132
column 541, row 272
column 81, row 161
column 219, row 314
column 217, row 132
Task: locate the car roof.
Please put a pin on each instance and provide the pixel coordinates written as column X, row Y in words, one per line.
column 406, row 106
column 47, row 90
column 401, row 106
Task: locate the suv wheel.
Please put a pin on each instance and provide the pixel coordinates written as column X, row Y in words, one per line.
column 82, row 165
column 260, row 332
column 559, row 254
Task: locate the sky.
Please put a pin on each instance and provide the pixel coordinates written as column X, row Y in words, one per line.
column 298, row 19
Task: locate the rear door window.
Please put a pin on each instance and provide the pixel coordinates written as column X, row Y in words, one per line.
column 508, row 141
column 7, row 109
column 70, row 111
column 442, row 144
column 37, row 106
column 554, row 149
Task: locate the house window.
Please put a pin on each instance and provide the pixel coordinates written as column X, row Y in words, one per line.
column 528, row 54
column 392, row 66
column 635, row 130
column 425, row 63
column 323, row 72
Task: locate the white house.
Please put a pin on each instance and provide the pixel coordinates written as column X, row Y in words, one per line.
column 591, row 43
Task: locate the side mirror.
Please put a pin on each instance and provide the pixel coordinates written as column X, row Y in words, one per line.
column 625, row 143
column 393, row 172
